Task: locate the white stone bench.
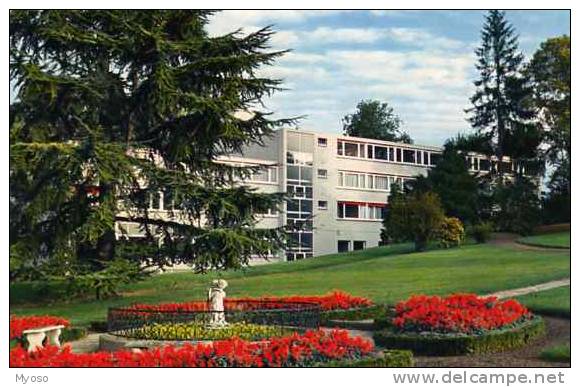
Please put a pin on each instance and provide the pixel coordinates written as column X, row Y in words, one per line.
column 35, row 337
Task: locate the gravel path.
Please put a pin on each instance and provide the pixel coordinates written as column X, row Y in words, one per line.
column 531, row 289
column 90, row 343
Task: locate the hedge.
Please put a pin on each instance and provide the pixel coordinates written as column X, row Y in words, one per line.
column 448, row 344
column 354, row 314
column 73, row 333
column 386, row 359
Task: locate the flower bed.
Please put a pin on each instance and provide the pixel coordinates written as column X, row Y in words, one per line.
column 18, row 324
column 336, row 300
column 459, row 324
column 308, row 349
column 458, row 313
column 197, row 331
column 438, row 344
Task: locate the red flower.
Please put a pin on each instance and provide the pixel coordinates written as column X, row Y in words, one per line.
column 289, row 351
column 22, row 323
column 330, row 301
column 458, row 313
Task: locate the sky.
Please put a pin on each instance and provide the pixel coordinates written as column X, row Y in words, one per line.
column 420, row 62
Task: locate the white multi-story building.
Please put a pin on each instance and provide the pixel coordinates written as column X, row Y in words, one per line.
column 338, row 186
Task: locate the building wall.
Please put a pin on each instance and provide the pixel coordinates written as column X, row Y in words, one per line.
column 314, row 169
column 327, row 228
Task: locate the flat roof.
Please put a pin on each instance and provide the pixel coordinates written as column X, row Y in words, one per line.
column 368, row 140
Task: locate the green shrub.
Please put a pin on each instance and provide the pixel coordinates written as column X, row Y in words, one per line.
column 451, row 232
column 482, row 232
column 73, row 333
column 385, row 359
column 354, row 314
column 98, row 326
column 448, row 345
column 559, row 353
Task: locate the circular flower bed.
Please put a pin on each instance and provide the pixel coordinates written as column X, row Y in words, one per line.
column 336, row 300
column 196, row 331
column 458, row 324
column 458, row 313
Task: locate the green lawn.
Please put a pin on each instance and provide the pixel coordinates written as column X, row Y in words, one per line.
column 557, row 239
column 385, row 274
column 553, row 302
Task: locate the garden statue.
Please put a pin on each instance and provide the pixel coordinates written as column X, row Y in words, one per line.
column 216, row 296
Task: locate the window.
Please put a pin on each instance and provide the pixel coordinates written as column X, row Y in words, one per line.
column 351, row 180
column 340, row 148
column 391, row 154
column 299, row 192
column 343, row 246
column 419, row 157
column 354, row 210
column 322, row 173
column 351, row 149
column 306, row 173
column 381, row 153
column 399, row 159
column 155, row 201
column 323, row 142
column 306, row 206
column 358, row 245
column 364, row 180
column 370, row 153
column 293, row 172
column 293, row 205
column 351, row 210
column 322, row 205
column 273, row 175
column 425, row 158
column 381, row 182
column 261, row 175
column 484, row 164
column 408, row 156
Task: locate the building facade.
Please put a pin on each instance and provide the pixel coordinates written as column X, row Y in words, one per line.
column 338, row 186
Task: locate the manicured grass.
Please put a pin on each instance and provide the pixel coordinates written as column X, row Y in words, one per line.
column 557, row 239
column 560, row 353
column 553, row 302
column 384, row 274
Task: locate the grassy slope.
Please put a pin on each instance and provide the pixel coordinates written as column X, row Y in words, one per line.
column 558, row 239
column 385, row 274
column 553, row 302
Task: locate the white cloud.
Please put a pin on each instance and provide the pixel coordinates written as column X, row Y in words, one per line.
column 228, row 21
column 428, row 89
column 414, row 37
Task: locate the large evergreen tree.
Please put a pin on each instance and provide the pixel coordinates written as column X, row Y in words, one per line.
column 501, row 104
column 115, row 106
column 377, row 120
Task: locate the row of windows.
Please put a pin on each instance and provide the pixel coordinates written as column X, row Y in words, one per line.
column 354, row 210
column 268, row 175
column 368, row 181
column 387, row 153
